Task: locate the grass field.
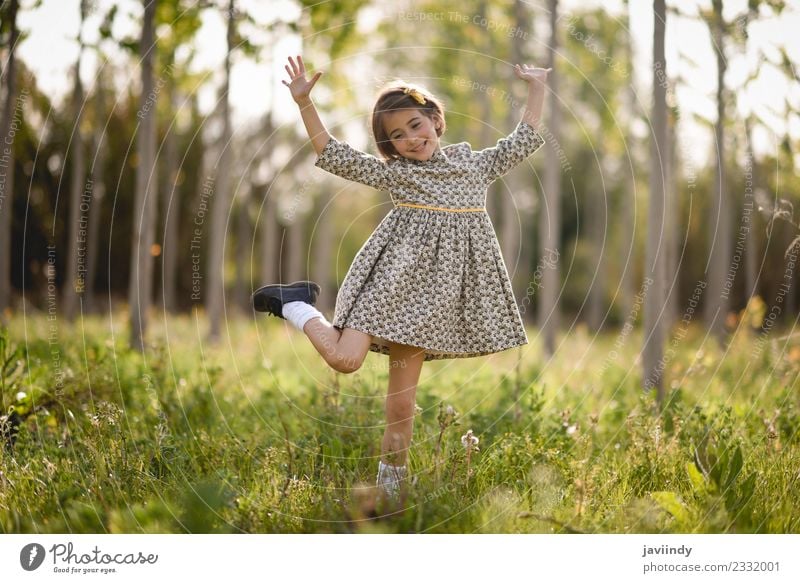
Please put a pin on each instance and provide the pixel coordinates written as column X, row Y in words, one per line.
column 256, row 434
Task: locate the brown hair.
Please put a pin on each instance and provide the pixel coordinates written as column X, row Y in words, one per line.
column 394, row 96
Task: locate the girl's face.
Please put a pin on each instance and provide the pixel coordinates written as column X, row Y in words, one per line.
column 412, row 133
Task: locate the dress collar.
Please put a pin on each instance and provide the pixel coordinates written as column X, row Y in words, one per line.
column 437, row 156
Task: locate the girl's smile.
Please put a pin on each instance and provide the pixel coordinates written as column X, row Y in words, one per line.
column 412, row 133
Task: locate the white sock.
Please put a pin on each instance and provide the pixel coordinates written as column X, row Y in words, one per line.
column 389, row 478
column 298, row 313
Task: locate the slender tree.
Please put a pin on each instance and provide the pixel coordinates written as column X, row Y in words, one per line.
column 480, row 70
column 653, row 348
column 96, row 186
column 140, row 282
column 510, row 226
column 215, row 266
column 75, row 282
column 323, row 246
column 98, row 189
column 244, row 236
column 717, row 298
column 550, row 211
column 749, row 216
column 295, row 241
column 9, row 29
column 268, row 243
column 671, row 213
column 628, row 199
column 182, row 21
column 748, row 205
column 170, row 207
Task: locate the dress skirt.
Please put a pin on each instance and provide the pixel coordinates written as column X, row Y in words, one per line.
column 432, row 279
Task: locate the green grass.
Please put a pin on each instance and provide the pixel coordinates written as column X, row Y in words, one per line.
column 256, row 434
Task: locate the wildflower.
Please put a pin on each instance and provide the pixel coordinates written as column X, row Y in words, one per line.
column 572, row 429
column 447, row 416
column 469, row 441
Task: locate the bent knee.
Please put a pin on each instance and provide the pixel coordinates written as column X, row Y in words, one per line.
column 346, row 364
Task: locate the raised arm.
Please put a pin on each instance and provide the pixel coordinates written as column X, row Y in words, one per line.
column 336, row 157
column 536, row 78
column 301, row 90
column 525, row 139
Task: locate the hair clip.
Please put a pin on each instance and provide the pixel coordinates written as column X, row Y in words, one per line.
column 418, row 97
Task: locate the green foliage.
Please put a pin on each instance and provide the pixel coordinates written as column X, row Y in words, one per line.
column 173, row 442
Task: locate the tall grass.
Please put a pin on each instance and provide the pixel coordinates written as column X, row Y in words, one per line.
column 258, row 435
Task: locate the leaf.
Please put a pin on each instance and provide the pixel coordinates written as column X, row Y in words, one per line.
column 696, row 477
column 670, row 502
column 717, row 467
column 748, row 486
column 735, row 468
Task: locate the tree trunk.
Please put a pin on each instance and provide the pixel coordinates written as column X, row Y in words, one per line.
column 493, row 206
column 79, row 197
column 550, row 211
column 510, row 226
column 216, row 260
column 296, row 250
column 244, row 236
column 790, row 310
column 596, row 222
column 7, row 162
column 171, row 209
column 269, row 246
column 653, row 342
column 98, row 194
column 197, row 225
column 323, row 251
column 749, row 210
column 627, row 242
column 140, row 285
column 720, row 282
column 671, row 211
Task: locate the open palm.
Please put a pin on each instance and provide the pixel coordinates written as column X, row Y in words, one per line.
column 299, row 85
column 529, row 73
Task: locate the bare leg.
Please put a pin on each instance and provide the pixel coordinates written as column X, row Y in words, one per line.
column 405, row 364
column 344, row 351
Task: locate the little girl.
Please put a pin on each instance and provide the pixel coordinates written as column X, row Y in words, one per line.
column 430, row 282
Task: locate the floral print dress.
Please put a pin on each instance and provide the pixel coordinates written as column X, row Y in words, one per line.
column 431, row 275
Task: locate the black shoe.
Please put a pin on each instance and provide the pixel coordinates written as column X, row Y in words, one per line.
column 271, row 298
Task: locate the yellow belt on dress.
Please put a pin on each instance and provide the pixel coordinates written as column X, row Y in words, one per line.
column 439, row 208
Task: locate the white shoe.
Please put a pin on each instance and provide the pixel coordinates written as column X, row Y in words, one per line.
column 389, row 478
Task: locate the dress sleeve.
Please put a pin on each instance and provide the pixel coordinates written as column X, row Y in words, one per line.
column 343, row 160
column 509, row 151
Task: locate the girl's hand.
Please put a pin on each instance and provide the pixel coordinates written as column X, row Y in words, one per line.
column 532, row 74
column 300, row 86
